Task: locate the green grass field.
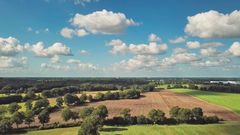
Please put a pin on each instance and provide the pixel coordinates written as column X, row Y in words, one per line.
column 213, row 129
column 229, row 100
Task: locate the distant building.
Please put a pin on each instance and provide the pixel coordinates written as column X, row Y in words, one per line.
column 225, row 82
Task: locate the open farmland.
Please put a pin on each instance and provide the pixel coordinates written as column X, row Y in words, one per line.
column 163, row 100
column 214, row 129
column 229, row 100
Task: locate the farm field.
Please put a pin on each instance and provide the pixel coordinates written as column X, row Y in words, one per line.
column 163, row 100
column 230, row 128
column 229, row 100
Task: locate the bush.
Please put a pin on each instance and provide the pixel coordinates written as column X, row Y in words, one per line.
column 211, row 119
column 10, row 99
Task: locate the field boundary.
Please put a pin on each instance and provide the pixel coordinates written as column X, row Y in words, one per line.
column 206, row 101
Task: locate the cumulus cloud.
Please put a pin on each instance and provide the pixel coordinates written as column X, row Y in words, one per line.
column 83, row 52
column 69, row 33
column 180, row 56
column 178, row 40
column 193, row 44
column 213, row 24
column 55, row 59
column 81, row 65
column 235, row 49
column 153, row 38
column 209, row 52
column 10, row 46
column 83, row 2
column 153, row 48
column 99, row 22
column 50, row 66
column 212, row 63
column 11, row 62
column 138, row 62
column 56, row 49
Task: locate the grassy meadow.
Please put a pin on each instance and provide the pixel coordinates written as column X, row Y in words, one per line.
column 213, row 129
column 229, row 100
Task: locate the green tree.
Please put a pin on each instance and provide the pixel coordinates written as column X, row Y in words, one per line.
column 125, row 113
column 71, row 99
column 41, row 104
column 101, row 111
column 83, row 113
column 28, row 105
column 17, row 118
column 184, row 115
column 90, row 98
column 83, row 98
column 13, row 107
column 75, row 116
column 90, row 126
column 197, row 113
column 44, row 116
column 156, row 116
column 66, row 114
column 5, row 125
column 3, row 110
column 174, row 111
column 59, row 102
column 29, row 117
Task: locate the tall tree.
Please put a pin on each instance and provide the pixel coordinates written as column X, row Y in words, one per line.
column 13, row 107
column 17, row 118
column 29, row 117
column 44, row 116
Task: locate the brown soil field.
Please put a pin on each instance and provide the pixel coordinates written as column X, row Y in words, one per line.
column 163, row 100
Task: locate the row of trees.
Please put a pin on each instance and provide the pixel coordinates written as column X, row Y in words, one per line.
column 231, row 88
column 29, row 95
column 41, row 109
column 156, row 116
column 21, row 85
column 94, row 118
column 72, row 99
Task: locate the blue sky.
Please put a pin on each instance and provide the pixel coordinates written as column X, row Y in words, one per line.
column 147, row 38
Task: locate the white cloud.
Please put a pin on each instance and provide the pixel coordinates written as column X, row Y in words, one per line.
column 213, row 24
column 81, row 65
column 46, row 30
column 55, row 59
column 193, row 44
column 69, row 33
column 151, row 49
column 119, row 47
column 29, row 29
column 179, row 50
column 212, row 63
column 209, row 52
column 50, row 66
column 10, row 46
column 178, row 40
column 83, row 2
column 83, row 52
column 73, row 61
column 99, row 22
column 154, row 38
column 139, row 49
column 10, row 62
column 211, row 44
column 138, row 62
column 180, row 57
column 235, row 49
column 56, row 49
